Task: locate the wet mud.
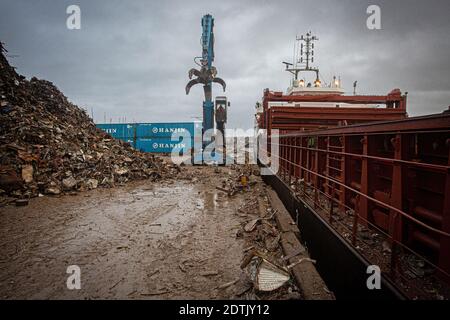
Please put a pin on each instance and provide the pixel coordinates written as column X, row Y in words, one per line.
column 174, row 239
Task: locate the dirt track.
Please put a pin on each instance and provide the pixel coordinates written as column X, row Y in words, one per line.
column 114, row 237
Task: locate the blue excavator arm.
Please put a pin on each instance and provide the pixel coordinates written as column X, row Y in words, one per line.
column 207, row 73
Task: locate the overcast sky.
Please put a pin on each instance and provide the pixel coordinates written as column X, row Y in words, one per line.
column 130, row 58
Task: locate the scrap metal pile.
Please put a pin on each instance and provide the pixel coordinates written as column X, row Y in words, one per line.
column 50, row 146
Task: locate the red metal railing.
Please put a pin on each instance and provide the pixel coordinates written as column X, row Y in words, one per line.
column 294, row 112
column 385, row 187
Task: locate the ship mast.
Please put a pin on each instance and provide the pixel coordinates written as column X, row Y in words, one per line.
column 304, row 58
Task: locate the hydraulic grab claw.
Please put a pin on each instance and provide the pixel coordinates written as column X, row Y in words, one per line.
column 204, row 76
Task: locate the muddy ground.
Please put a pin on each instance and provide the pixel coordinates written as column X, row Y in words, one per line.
column 174, row 239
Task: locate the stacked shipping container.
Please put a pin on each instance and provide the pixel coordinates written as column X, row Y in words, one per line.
column 155, row 137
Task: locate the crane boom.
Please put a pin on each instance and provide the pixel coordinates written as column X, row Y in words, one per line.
column 207, row 73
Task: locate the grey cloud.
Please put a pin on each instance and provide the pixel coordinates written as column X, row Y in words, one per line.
column 130, row 59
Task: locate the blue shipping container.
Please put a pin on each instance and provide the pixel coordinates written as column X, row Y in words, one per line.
column 165, row 130
column 154, row 137
column 164, row 145
column 120, row 131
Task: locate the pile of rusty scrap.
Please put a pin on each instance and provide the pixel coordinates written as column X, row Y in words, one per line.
column 50, row 146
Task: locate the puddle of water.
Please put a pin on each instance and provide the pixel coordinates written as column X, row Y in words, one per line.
column 211, row 201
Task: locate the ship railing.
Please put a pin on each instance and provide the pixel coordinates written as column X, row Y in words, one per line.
column 396, row 260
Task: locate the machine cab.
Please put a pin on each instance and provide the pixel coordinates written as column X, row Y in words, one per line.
column 221, row 106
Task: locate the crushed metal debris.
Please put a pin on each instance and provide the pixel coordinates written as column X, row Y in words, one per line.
column 49, row 146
